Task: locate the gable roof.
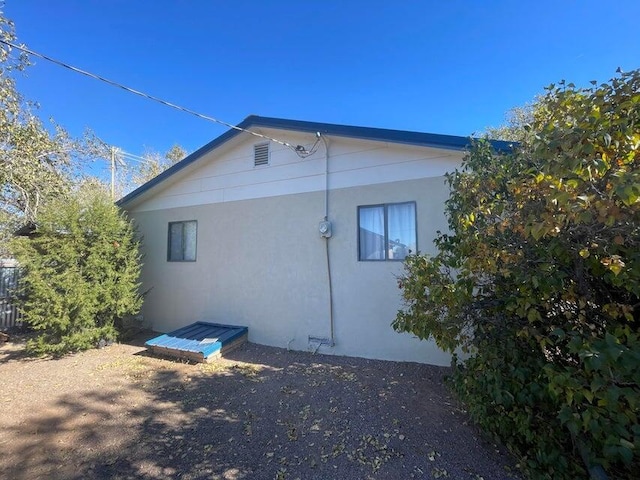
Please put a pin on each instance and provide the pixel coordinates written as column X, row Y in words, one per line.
column 450, row 142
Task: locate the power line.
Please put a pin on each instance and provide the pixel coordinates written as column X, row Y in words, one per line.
column 298, row 149
column 132, row 157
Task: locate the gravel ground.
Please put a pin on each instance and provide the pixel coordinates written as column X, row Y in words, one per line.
column 260, row 413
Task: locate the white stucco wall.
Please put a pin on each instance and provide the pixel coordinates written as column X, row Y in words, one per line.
column 260, row 260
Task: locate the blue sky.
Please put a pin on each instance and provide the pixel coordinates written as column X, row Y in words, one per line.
column 452, row 67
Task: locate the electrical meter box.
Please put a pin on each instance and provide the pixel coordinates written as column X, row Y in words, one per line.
column 324, row 228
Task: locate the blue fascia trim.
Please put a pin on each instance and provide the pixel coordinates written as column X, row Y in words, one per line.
column 451, row 142
column 372, row 133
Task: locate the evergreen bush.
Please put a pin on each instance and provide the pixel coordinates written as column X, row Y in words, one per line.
column 80, row 272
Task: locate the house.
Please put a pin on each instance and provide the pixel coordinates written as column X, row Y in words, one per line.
column 297, row 231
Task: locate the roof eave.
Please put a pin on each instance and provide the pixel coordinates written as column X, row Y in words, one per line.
column 450, row 142
column 188, row 160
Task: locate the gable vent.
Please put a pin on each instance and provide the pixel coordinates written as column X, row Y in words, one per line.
column 261, row 154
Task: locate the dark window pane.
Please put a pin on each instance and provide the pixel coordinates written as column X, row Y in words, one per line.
column 182, row 241
column 175, row 241
column 189, row 239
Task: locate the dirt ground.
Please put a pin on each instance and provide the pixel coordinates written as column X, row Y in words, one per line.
column 261, row 413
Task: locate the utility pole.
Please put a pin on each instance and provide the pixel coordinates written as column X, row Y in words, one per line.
column 117, row 156
column 113, row 173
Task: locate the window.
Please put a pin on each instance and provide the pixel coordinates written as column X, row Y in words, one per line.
column 182, row 241
column 387, row 232
column 260, row 154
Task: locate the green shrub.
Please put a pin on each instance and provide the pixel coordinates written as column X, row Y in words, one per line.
column 504, row 390
column 538, row 282
column 81, row 269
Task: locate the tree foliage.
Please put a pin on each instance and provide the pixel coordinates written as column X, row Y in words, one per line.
column 36, row 161
column 514, row 130
column 32, row 161
column 81, row 269
column 82, row 264
column 131, row 171
column 156, row 163
column 538, row 281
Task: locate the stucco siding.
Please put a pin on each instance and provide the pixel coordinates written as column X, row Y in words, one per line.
column 261, row 262
column 229, row 175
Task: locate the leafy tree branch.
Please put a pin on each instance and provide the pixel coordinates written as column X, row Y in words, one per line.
column 538, row 282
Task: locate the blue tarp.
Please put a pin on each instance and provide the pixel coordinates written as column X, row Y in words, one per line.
column 201, row 337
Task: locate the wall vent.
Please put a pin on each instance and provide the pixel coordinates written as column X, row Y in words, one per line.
column 261, row 154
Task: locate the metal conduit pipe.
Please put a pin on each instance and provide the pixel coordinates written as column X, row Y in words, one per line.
column 326, row 240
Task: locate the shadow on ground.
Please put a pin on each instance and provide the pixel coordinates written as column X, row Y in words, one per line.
column 260, row 413
column 12, row 349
